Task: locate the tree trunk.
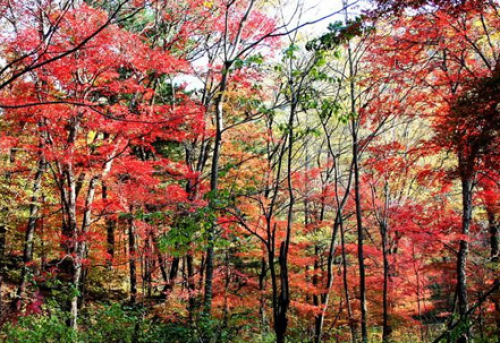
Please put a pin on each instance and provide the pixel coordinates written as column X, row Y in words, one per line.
column 72, row 246
column 3, row 230
column 162, row 266
column 274, row 282
column 110, row 231
column 317, row 298
column 214, row 182
column 360, row 230
column 149, row 266
column 3, row 227
column 281, row 319
column 467, row 187
column 30, row 231
column 386, row 328
column 352, row 323
column 132, row 258
column 357, row 196
column 262, row 285
column 329, row 282
column 191, row 285
column 81, row 249
column 174, row 269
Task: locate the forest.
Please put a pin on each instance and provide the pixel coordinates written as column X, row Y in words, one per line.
column 215, row 171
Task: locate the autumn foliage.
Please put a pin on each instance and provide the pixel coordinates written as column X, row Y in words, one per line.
column 202, row 171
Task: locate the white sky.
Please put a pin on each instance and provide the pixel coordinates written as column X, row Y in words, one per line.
column 315, row 9
column 312, row 10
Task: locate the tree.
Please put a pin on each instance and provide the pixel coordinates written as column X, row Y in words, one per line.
column 87, row 107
